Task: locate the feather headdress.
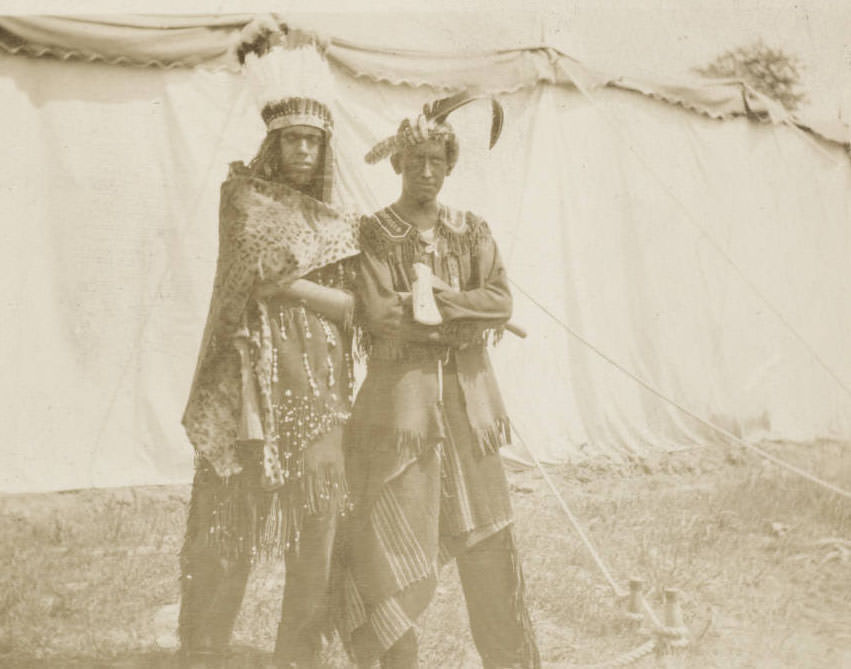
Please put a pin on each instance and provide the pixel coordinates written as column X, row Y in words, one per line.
column 432, row 124
column 287, row 74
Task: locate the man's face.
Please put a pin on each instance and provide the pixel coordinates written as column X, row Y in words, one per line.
column 301, row 151
column 424, row 167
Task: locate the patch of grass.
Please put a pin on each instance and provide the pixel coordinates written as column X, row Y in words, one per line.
column 752, row 548
column 740, row 539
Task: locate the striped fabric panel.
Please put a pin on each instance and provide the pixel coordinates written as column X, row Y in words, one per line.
column 408, row 561
column 354, row 611
column 389, row 621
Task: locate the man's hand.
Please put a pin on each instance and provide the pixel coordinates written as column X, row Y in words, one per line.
column 269, row 288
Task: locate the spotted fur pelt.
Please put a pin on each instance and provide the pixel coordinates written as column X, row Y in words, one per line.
column 267, row 230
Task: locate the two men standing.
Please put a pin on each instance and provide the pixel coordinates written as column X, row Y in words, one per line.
column 423, row 476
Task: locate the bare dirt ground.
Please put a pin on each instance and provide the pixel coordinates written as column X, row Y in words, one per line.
column 762, row 557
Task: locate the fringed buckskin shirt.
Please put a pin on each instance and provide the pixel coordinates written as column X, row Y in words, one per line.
column 464, row 255
column 425, row 476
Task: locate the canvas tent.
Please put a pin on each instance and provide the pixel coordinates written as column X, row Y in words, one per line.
column 690, row 233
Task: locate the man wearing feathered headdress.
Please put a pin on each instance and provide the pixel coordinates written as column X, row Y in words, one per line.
column 273, row 384
column 423, row 462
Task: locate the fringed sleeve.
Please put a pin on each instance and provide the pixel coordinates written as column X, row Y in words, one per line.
column 489, row 298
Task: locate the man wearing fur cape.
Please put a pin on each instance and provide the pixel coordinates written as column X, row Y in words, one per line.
column 273, row 383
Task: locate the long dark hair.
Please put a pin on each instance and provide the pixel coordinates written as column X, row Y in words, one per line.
column 267, row 164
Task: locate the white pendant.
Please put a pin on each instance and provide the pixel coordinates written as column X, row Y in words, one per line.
column 425, row 308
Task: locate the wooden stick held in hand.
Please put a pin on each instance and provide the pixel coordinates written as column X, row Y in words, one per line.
column 516, row 330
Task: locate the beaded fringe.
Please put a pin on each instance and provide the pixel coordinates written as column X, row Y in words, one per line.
column 267, row 524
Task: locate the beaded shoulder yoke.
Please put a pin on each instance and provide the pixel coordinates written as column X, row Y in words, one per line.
column 385, row 236
column 382, row 232
column 267, row 230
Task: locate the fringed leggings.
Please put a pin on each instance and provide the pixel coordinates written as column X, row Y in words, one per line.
column 213, row 584
column 499, row 619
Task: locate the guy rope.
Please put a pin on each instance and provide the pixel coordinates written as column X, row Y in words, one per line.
column 672, row 633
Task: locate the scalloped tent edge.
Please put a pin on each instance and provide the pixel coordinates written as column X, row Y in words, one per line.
column 204, row 41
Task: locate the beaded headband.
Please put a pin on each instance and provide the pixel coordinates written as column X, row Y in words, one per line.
column 297, row 111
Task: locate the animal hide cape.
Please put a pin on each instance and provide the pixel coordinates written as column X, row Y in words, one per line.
column 267, row 230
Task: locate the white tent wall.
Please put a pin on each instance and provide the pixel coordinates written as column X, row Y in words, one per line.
column 616, row 212
column 678, row 235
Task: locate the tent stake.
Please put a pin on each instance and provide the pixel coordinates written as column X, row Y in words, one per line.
column 675, row 628
column 633, row 604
